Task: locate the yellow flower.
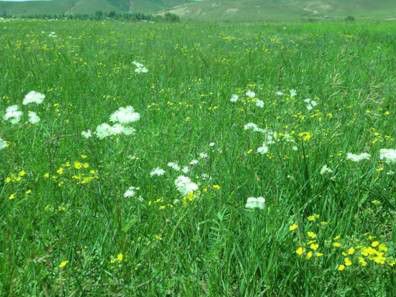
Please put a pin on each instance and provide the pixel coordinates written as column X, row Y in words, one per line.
column 120, row 257
column 375, row 244
column 362, row 262
column 293, row 227
column 60, row 171
column 216, row 187
column 28, row 192
column 351, row 251
column 336, row 244
column 300, row 251
column 317, row 254
column 314, row 246
column 46, row 175
column 348, row 261
column 22, row 173
column 12, row 196
column 311, row 234
column 309, row 255
column 77, row 165
column 63, row 264
column 305, row 136
column 341, row 267
column 382, row 247
column 313, row 218
column 190, row 197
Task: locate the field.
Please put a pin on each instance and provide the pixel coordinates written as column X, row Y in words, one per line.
column 302, row 115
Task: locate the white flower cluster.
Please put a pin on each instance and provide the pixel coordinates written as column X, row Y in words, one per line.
column 140, row 68
column 358, row 157
column 14, row 115
column 185, row 185
column 251, row 95
column 253, row 203
column 310, row 104
column 121, row 118
column 3, row 144
column 388, row 155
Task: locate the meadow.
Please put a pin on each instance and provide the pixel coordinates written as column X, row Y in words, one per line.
column 144, row 159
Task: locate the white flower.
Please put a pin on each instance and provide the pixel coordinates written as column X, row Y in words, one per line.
column 105, row 130
column 52, row 35
column 310, row 104
column 174, row 166
column 250, row 94
column 279, row 93
column 157, row 172
column 234, row 98
column 260, row 103
column 295, row 148
column 358, row 157
column 33, row 97
column 140, row 67
column 388, row 155
column 203, row 155
column 253, row 202
column 185, row 186
column 125, row 115
column 325, row 170
column 86, row 134
column 33, row 118
column 194, row 162
column 293, row 93
column 263, row 149
column 253, row 127
column 13, row 114
column 3, row 144
column 131, row 192
column 185, row 169
column 212, row 144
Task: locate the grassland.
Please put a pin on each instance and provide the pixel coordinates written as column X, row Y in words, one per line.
column 68, row 230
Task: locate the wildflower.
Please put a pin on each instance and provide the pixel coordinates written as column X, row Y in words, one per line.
column 174, row 166
column 140, row 68
column 117, row 259
column 311, row 234
column 300, row 251
column 13, row 114
column 358, row 157
column 388, row 155
column 262, row 150
column 351, row 251
column 347, row 261
column 260, row 103
column 157, row 172
column 310, row 104
column 131, row 192
column 253, row 202
column 253, row 127
column 190, row 197
column 105, row 130
column 314, row 246
column 3, row 144
column 33, row 97
column 362, row 262
column 33, row 118
column 250, row 94
column 185, row 186
column 234, row 98
column 125, row 115
column 279, row 93
column 63, row 264
column 293, row 227
column 216, row 187
column 374, row 244
column 313, row 218
column 325, row 170
column 12, row 196
column 293, row 93
column 203, row 155
column 309, row 255
column 194, row 162
column 341, row 267
column 336, row 244
column 86, row 134
column 305, row 136
column 185, row 169
column 212, row 144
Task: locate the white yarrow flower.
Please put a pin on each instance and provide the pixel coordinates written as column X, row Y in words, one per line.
column 325, row 170
column 140, row 68
column 33, row 97
column 174, row 166
column 262, row 150
column 33, row 118
column 13, row 114
column 310, row 104
column 260, row 103
column 293, row 93
column 157, row 172
column 86, row 134
column 358, row 157
column 131, row 192
column 388, row 155
column 125, row 115
column 185, row 186
column 250, row 94
column 234, row 98
column 253, row 202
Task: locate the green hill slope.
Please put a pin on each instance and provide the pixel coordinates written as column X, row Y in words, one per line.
column 214, row 9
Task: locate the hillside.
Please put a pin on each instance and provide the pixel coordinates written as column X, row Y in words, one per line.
column 214, row 9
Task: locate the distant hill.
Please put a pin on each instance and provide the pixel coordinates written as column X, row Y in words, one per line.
column 241, row 10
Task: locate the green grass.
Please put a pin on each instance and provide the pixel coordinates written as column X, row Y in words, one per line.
column 211, row 246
